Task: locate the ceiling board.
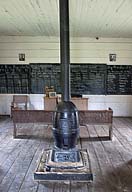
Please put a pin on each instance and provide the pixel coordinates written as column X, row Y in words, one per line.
column 88, row 18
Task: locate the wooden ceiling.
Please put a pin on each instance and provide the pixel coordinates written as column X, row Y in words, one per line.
column 88, row 18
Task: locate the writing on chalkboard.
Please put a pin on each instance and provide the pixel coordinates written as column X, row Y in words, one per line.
column 14, row 79
column 99, row 79
column 88, row 79
column 45, row 75
column 119, row 79
column 85, row 78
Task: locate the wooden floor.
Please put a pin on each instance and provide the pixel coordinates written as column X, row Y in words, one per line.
column 111, row 160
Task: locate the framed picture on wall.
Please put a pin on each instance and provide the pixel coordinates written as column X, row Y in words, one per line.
column 21, row 56
column 112, row 57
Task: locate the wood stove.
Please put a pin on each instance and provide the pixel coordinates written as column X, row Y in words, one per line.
column 65, row 161
column 65, row 124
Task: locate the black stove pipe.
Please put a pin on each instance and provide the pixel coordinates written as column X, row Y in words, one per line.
column 65, row 119
column 64, row 49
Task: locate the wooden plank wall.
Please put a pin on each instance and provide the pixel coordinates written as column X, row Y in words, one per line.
column 46, row 50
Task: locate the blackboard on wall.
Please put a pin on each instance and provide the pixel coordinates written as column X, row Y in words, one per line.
column 88, row 79
column 43, row 75
column 119, row 79
column 14, row 79
column 85, row 78
column 99, row 79
column 3, row 80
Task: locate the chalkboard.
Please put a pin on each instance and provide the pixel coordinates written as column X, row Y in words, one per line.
column 43, row 75
column 85, row 78
column 14, row 79
column 119, row 79
column 88, row 79
column 96, row 79
column 3, row 80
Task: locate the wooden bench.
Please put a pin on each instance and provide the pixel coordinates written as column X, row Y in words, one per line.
column 30, row 116
column 97, row 117
column 45, row 116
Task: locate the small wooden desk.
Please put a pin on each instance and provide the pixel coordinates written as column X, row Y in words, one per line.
column 81, row 103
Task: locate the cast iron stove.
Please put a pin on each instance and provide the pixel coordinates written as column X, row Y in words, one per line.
column 65, row 161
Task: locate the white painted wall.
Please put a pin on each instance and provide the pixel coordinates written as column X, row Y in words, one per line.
column 121, row 105
column 83, row 50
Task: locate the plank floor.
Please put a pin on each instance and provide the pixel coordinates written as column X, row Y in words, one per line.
column 111, row 160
